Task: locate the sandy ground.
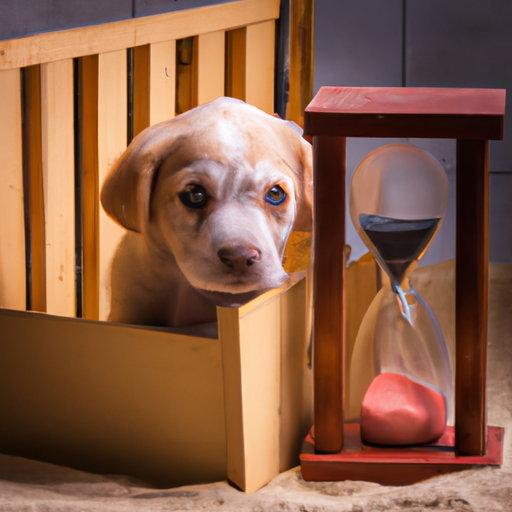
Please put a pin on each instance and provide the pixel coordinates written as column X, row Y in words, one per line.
column 36, row 486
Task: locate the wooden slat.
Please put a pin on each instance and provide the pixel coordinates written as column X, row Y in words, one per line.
column 88, row 78
column 12, row 222
column 154, row 84
column 210, row 67
column 472, row 263
column 235, row 63
column 112, row 141
column 110, row 37
column 58, row 184
column 329, row 329
column 260, row 54
column 32, row 162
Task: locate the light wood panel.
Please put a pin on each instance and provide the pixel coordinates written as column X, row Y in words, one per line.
column 251, row 364
column 154, row 84
column 110, row 37
column 12, row 222
column 260, row 54
column 58, row 185
column 210, row 65
column 267, row 385
column 112, row 141
column 112, row 399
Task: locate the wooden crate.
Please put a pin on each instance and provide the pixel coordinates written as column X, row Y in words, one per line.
column 170, row 407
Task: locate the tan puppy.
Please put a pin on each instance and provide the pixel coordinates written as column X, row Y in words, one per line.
column 209, row 198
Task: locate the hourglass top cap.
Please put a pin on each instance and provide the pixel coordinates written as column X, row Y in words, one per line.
column 399, row 181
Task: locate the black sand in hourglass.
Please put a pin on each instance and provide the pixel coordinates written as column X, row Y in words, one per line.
column 399, row 242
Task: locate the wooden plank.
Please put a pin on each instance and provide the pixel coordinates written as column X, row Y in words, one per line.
column 260, row 54
column 210, row 72
column 296, row 387
column 110, row 37
column 154, row 84
column 329, row 300
column 112, row 141
column 32, row 163
column 112, row 399
column 88, row 84
column 235, row 63
column 251, row 365
column 12, row 220
column 59, row 185
column 407, row 112
column 472, row 264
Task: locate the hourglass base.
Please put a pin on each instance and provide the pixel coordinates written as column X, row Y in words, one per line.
column 393, row 465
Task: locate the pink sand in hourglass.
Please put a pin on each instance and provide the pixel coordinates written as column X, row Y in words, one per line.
column 398, row 411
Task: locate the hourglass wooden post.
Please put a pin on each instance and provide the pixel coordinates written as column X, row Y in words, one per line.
column 333, row 451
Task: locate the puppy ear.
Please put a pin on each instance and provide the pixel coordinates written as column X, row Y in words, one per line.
column 125, row 194
column 304, row 217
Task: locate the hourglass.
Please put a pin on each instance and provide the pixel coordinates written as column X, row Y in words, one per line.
column 406, row 399
column 398, row 198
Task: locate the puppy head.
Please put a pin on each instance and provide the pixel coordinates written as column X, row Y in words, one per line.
column 220, row 187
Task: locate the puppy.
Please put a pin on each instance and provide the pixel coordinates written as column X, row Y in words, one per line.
column 209, row 199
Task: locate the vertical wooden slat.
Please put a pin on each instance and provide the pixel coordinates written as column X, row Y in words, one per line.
column 154, row 84
column 58, row 185
column 12, row 222
column 210, row 67
column 88, row 77
column 32, row 162
column 260, row 54
column 472, row 263
column 112, row 129
column 329, row 277
column 235, row 63
column 104, row 111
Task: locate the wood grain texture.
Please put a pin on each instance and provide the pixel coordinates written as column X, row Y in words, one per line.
column 32, row 163
column 58, row 166
column 115, row 36
column 88, row 85
column 12, row 220
column 472, row 263
column 329, row 300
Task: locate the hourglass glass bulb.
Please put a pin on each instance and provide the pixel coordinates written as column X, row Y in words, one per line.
column 399, row 195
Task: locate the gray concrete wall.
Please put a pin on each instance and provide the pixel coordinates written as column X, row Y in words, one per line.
column 460, row 43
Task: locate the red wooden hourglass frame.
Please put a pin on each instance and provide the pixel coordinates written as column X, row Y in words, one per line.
column 333, row 450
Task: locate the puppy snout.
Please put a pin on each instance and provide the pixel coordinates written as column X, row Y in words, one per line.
column 239, row 257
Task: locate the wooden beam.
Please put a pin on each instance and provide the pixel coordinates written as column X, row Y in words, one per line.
column 472, row 267
column 329, row 296
column 109, row 37
column 210, row 63
column 12, row 220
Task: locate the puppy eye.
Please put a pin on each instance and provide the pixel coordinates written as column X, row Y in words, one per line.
column 276, row 196
column 195, row 197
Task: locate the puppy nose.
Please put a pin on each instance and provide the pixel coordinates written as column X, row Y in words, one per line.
column 239, row 257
